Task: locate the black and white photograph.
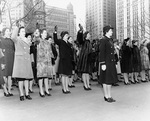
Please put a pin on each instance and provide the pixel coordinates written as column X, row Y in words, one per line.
column 74, row 60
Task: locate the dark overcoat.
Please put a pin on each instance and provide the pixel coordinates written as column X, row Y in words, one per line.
column 84, row 63
column 1, row 62
column 126, row 59
column 65, row 66
column 107, row 57
column 8, row 49
column 136, row 59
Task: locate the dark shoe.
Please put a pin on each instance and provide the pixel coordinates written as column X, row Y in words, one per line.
column 136, row 81
column 143, row 81
column 85, row 88
column 105, row 98
column 48, row 94
column 89, row 88
column 41, row 95
column 71, row 86
column 115, row 84
column 112, row 99
column 6, row 95
column 30, row 91
column 132, row 82
column 28, row 97
column 108, row 100
column 10, row 94
column 68, row 92
column 65, row 92
column 21, row 98
column 49, row 89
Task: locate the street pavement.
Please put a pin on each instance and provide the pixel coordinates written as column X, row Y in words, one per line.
column 132, row 104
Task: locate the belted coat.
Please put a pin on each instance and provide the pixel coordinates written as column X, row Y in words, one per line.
column 107, row 57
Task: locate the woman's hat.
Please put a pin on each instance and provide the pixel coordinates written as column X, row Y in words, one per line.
column 127, row 39
column 107, row 28
column 63, row 33
column 134, row 41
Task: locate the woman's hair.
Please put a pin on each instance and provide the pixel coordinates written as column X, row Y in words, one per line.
column 85, row 35
column 69, row 37
column 3, row 31
column 20, row 29
column 42, row 32
column 63, row 33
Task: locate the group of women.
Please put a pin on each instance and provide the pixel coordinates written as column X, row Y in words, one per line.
column 134, row 61
column 36, row 58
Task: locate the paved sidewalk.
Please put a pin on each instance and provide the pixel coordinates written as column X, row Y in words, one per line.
column 133, row 104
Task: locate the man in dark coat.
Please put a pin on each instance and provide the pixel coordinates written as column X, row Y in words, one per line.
column 108, row 73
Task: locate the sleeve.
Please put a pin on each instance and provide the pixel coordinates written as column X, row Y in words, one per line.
column 102, row 50
column 80, row 37
column 56, row 39
column 15, row 34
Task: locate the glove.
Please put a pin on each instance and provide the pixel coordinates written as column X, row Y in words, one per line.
column 103, row 67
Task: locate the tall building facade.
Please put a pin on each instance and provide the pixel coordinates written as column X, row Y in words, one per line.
column 98, row 14
column 133, row 19
column 39, row 13
column 63, row 18
column 30, row 12
column 13, row 10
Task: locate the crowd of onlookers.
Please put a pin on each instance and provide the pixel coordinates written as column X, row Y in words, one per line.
column 39, row 58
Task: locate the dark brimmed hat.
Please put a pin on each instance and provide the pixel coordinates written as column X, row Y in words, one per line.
column 107, row 28
column 63, row 33
column 127, row 39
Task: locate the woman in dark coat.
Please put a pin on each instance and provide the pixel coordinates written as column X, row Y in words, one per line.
column 8, row 49
column 2, row 68
column 108, row 73
column 136, row 59
column 84, row 65
column 65, row 63
column 126, row 60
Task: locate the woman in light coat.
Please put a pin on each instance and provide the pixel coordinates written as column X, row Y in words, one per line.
column 22, row 69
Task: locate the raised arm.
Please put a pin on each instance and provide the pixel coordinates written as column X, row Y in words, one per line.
column 14, row 35
column 80, row 35
column 55, row 36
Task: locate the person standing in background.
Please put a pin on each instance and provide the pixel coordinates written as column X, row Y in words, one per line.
column 8, row 49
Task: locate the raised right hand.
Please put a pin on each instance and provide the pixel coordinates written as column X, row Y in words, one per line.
column 55, row 28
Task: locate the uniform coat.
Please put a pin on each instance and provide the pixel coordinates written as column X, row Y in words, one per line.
column 8, row 49
column 22, row 62
column 65, row 56
column 107, row 57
